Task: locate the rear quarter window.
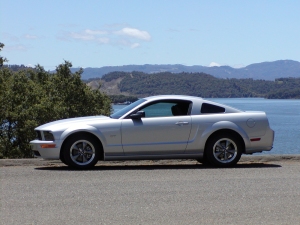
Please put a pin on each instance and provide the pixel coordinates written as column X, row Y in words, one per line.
column 209, row 108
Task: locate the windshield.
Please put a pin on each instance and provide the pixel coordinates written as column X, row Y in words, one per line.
column 126, row 109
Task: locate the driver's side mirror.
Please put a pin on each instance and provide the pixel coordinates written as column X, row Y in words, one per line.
column 138, row 115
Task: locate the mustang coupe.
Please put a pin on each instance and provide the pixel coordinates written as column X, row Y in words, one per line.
column 157, row 127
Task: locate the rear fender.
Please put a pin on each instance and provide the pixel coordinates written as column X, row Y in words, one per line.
column 224, row 125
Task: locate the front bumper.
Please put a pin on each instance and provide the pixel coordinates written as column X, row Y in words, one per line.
column 45, row 149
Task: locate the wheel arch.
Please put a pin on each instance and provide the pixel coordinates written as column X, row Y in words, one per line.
column 82, row 133
column 226, row 131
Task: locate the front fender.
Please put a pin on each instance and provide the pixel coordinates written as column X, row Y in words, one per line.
column 83, row 128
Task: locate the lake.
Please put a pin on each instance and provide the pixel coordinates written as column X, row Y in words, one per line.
column 283, row 115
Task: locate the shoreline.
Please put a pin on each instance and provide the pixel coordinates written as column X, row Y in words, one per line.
column 244, row 159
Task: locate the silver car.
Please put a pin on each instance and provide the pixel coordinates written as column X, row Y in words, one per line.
column 157, row 127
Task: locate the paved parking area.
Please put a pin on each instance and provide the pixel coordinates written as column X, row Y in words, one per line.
column 151, row 192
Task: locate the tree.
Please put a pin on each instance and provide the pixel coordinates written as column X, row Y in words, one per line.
column 2, row 60
column 18, row 113
column 31, row 97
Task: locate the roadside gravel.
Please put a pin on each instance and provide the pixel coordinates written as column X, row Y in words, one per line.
column 244, row 160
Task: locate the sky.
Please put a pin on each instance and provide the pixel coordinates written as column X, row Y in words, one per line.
column 97, row 33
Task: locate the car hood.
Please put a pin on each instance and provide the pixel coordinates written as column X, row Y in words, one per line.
column 61, row 124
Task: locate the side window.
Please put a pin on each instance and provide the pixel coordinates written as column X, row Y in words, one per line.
column 167, row 108
column 161, row 109
column 209, row 108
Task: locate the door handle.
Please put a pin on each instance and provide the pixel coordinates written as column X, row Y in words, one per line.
column 180, row 123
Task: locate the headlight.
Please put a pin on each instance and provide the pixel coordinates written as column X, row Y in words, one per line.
column 48, row 136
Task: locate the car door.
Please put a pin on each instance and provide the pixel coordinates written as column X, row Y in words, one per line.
column 161, row 131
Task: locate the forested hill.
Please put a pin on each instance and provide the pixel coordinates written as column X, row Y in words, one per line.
column 16, row 67
column 264, row 70
column 197, row 84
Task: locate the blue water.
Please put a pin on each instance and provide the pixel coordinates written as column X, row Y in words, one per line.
column 283, row 115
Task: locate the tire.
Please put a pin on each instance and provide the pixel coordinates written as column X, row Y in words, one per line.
column 81, row 151
column 63, row 159
column 204, row 160
column 224, row 150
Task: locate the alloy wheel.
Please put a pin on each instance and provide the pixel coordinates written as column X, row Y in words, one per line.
column 225, row 150
column 82, row 152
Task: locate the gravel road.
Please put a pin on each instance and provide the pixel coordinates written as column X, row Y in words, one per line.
column 259, row 190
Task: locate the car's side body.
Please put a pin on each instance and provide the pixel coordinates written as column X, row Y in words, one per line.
column 159, row 134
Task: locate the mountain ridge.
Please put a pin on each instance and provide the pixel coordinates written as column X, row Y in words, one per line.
column 141, row 84
column 257, row 71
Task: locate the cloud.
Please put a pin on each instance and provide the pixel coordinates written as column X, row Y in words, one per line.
column 28, row 36
column 18, row 47
column 135, row 45
column 10, row 37
column 95, row 32
column 135, row 33
column 89, row 35
column 103, row 40
column 212, row 64
column 126, row 36
column 238, row 66
column 83, row 36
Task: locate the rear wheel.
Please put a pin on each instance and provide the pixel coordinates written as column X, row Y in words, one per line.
column 81, row 151
column 224, row 150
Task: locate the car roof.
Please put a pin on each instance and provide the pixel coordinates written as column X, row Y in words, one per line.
column 179, row 97
column 191, row 98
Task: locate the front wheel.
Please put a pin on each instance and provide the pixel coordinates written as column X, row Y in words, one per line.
column 224, row 150
column 204, row 161
column 81, row 151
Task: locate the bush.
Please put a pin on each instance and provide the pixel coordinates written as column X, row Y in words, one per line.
column 32, row 97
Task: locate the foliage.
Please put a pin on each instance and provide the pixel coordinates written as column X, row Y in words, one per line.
column 287, row 88
column 122, row 98
column 16, row 67
column 32, row 97
column 203, row 85
column 114, row 75
column 2, row 60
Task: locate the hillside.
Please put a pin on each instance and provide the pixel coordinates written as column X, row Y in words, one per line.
column 257, row 71
column 198, row 84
